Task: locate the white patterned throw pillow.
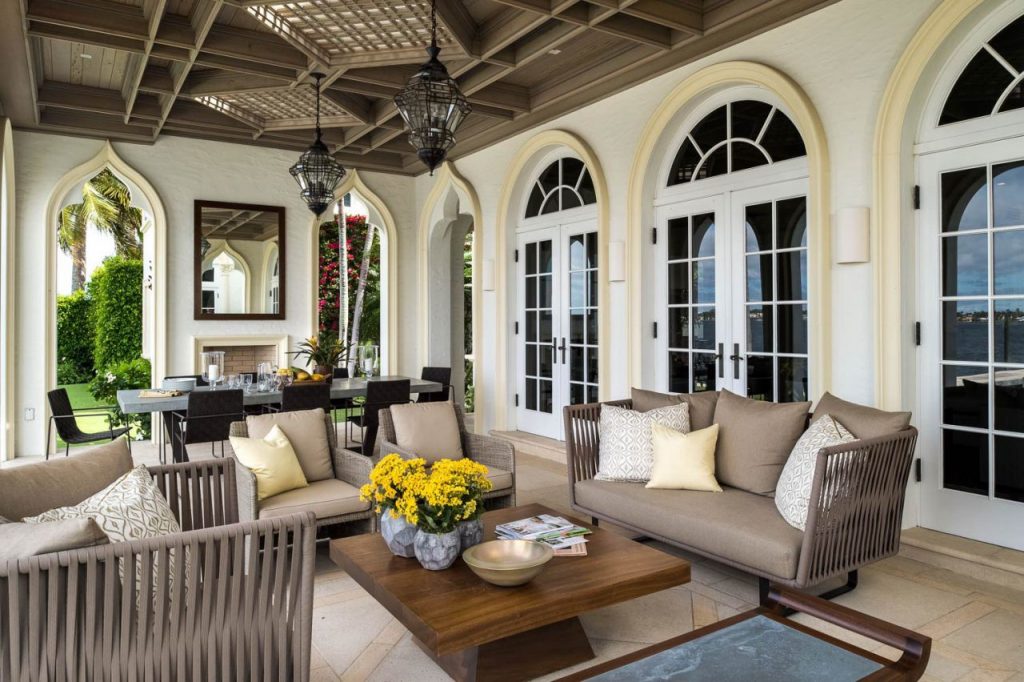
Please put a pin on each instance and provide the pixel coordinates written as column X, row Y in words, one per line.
column 627, row 442
column 793, row 491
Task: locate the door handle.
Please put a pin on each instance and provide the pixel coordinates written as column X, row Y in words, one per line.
column 720, row 357
column 554, row 350
column 736, row 357
column 562, row 348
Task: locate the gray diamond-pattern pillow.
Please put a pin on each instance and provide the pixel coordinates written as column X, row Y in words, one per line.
column 793, row 492
column 627, row 443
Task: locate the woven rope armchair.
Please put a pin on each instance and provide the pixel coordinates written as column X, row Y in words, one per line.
column 349, row 467
column 493, row 453
column 238, row 607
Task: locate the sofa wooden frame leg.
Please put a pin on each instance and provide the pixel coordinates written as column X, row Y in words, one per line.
column 850, row 585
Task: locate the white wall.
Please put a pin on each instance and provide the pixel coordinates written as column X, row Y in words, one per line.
column 841, row 57
column 181, row 170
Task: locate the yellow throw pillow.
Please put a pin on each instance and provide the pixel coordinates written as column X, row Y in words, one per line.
column 684, row 461
column 272, row 460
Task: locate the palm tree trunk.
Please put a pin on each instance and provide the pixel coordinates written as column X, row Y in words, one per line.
column 364, row 268
column 78, row 264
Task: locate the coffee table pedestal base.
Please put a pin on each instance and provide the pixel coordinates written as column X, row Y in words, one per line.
column 519, row 657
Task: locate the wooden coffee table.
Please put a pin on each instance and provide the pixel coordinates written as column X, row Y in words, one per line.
column 476, row 631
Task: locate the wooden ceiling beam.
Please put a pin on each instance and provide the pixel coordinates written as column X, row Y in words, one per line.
column 93, row 124
column 177, row 31
column 505, row 28
column 211, row 82
column 200, row 23
column 637, row 30
column 103, row 16
column 537, row 46
column 254, row 46
column 359, row 106
column 138, row 66
column 454, row 16
column 669, row 13
column 246, row 66
column 73, row 34
column 279, row 26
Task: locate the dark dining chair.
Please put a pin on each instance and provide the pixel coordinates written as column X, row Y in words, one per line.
column 380, row 394
column 207, row 419
column 306, row 396
column 64, row 418
column 441, row 375
column 346, row 405
column 169, row 418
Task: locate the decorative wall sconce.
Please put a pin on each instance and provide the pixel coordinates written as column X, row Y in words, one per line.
column 852, row 243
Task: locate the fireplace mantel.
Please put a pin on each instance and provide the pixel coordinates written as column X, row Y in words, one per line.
column 201, row 343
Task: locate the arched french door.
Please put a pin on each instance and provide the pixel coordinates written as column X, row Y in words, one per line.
column 728, row 255
column 970, row 167
column 557, row 286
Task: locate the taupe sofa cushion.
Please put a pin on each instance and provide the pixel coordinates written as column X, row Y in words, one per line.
column 754, row 441
column 431, row 430
column 305, row 430
column 739, row 526
column 20, row 540
column 325, row 499
column 63, row 482
column 702, row 405
column 860, row 420
column 499, row 478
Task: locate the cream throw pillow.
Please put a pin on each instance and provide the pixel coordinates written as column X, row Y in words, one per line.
column 793, row 492
column 684, row 461
column 273, row 462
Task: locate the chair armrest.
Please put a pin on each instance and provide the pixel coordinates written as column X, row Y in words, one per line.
column 489, row 451
column 245, row 484
column 352, row 467
column 202, row 494
column 855, row 511
column 582, row 440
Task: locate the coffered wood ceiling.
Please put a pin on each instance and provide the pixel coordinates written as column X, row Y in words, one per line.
column 238, row 70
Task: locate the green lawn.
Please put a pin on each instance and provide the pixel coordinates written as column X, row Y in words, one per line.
column 81, row 398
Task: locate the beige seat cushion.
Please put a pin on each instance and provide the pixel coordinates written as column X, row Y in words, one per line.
column 20, row 540
column 500, row 478
column 325, row 499
column 862, row 421
column 62, row 482
column 684, row 461
column 431, row 430
column 702, row 405
column 755, row 440
column 306, row 431
column 273, row 462
column 735, row 525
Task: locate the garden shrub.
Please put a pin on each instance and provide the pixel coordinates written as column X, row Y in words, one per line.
column 119, row 376
column 75, row 332
column 116, row 290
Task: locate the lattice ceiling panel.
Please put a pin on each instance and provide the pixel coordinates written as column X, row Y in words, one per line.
column 351, row 27
column 286, row 103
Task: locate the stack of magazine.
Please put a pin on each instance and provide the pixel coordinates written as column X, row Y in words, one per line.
column 565, row 537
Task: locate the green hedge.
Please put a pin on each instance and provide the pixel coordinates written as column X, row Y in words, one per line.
column 75, row 332
column 118, row 376
column 116, row 290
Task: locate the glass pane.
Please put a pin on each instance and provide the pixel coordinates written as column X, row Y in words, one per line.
column 531, row 359
column 571, row 170
column 531, row 258
column 531, row 326
column 746, row 155
column 704, row 281
column 703, row 236
column 577, row 252
column 715, row 163
column 531, row 292
column 1009, row 330
column 544, row 322
column 576, row 364
column 705, row 372
column 679, row 372
column 544, row 291
column 1009, row 45
column 977, row 90
column 678, row 283
column 759, row 277
column 711, row 130
column 782, row 140
column 678, row 328
column 965, row 265
column 678, row 238
column 792, row 380
column 1008, row 194
column 760, row 378
column 704, row 327
column 533, row 205
column 792, row 328
column 792, row 276
column 748, row 117
column 549, row 179
column 550, row 204
column 759, row 329
column 965, row 200
column 592, row 249
column 684, row 164
column 965, row 461
column 791, row 222
column 570, row 199
column 576, row 327
column 586, row 188
column 577, row 289
column 592, row 365
column 759, row 227
column 531, row 394
column 591, row 394
column 545, row 401
column 545, row 363
column 1010, row 468
column 576, row 394
column 592, row 288
column 965, row 331
column 1008, row 265
column 544, row 256
column 965, row 396
column 1009, row 392
column 1014, row 99
column 592, row 326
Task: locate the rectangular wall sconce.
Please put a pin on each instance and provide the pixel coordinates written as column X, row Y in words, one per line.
column 487, row 274
column 852, row 241
column 616, row 261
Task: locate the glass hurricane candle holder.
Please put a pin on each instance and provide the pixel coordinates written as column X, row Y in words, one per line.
column 367, row 359
column 212, row 365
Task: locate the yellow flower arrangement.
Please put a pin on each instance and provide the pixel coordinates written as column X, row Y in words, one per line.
column 388, row 482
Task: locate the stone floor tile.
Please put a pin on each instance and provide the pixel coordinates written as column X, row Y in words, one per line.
column 945, row 669
column 745, row 588
column 998, row 636
column 391, row 634
column 343, row 631
column 323, row 674
column 406, row 662
column 900, row 600
column 316, row 660
column 648, row 619
column 604, row 650
column 366, row 663
column 705, row 611
column 954, row 620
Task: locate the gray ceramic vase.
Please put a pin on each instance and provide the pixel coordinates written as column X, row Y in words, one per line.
column 470, row 533
column 437, row 551
column 398, row 534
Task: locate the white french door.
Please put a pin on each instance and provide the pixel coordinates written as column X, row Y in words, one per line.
column 971, row 359
column 731, row 301
column 556, row 324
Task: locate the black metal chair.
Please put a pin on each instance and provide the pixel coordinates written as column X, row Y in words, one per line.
column 306, row 396
column 380, row 394
column 64, row 417
column 170, row 416
column 346, row 405
column 441, row 375
column 208, row 419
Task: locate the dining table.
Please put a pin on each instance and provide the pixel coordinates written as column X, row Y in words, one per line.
column 130, row 401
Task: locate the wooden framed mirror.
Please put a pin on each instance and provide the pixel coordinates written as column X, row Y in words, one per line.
column 239, row 263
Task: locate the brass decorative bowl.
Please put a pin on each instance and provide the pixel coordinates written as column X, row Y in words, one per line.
column 508, row 563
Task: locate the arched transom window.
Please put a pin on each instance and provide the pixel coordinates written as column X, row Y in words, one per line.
column 992, row 82
column 734, row 137
column 564, row 184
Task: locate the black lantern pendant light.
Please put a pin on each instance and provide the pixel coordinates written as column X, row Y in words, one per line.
column 432, row 106
column 316, row 171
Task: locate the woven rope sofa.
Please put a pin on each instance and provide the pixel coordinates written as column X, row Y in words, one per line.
column 854, row 513
column 238, row 607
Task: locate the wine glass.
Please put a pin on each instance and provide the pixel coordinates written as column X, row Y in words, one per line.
column 247, row 382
